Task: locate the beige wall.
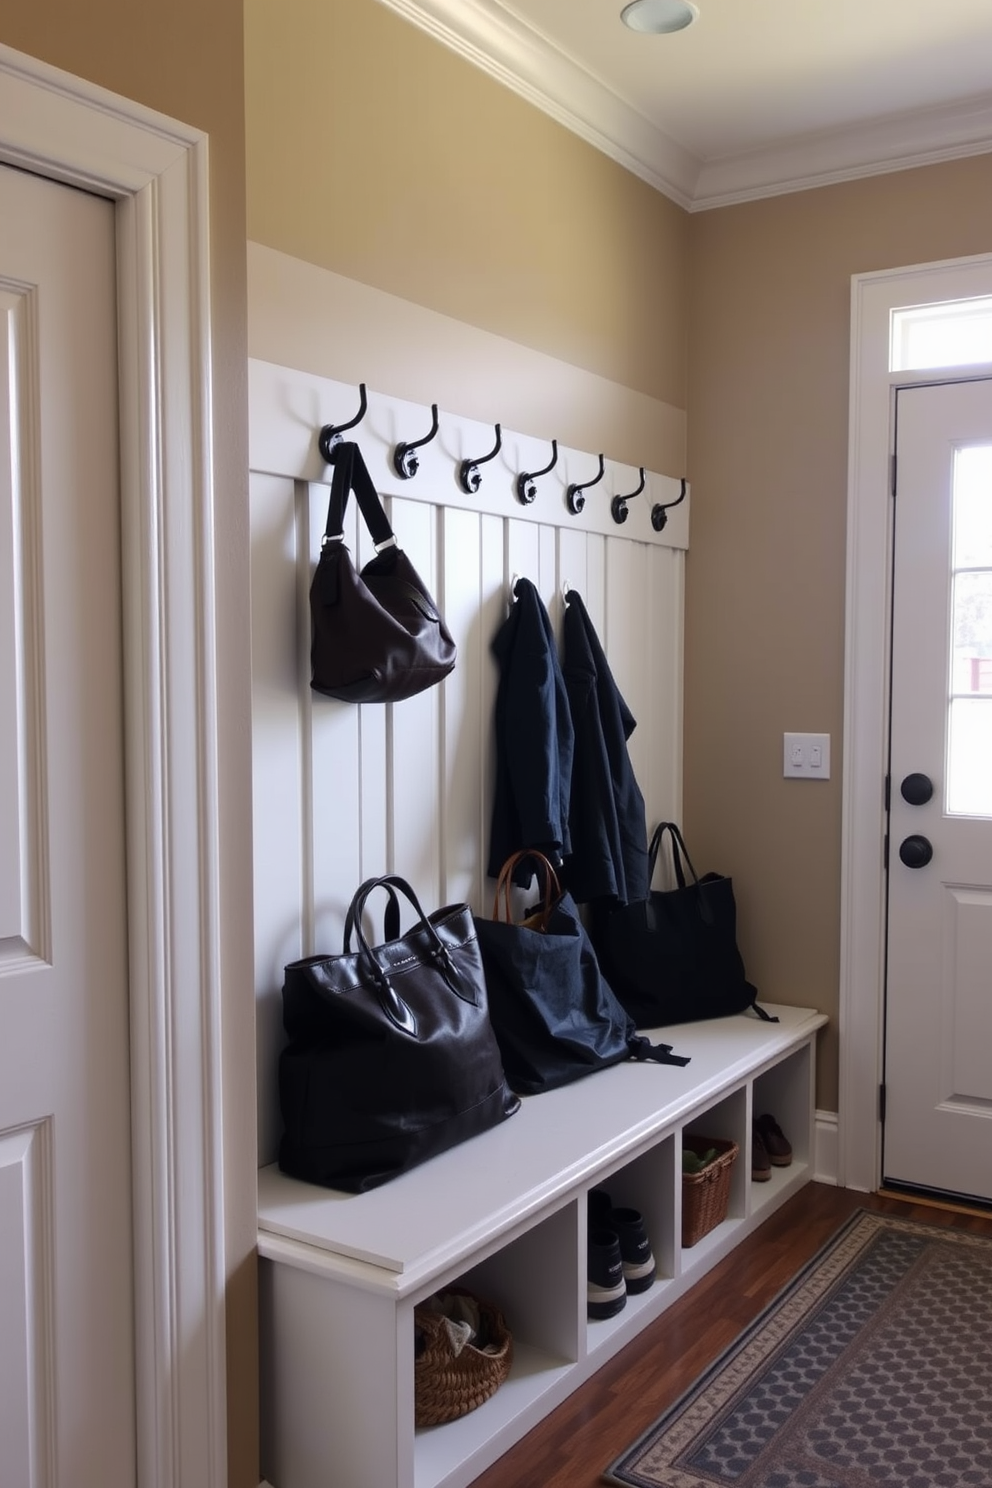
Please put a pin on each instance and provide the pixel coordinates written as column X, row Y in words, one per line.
column 377, row 153
column 768, row 408
column 185, row 60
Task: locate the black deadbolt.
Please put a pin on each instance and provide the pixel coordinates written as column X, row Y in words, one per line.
column 916, row 851
column 917, row 789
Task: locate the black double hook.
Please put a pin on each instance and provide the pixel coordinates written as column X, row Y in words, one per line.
column 659, row 512
column 405, row 462
column 526, row 489
column 618, row 506
column 469, row 473
column 330, row 435
column 574, row 498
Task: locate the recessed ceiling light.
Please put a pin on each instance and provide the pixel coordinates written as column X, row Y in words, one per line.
column 659, row 16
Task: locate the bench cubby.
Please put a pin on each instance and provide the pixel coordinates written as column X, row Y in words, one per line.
column 505, row 1215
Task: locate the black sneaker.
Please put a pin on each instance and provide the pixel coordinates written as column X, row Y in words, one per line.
column 606, row 1290
column 639, row 1269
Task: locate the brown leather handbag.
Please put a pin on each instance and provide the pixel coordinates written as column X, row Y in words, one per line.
column 378, row 636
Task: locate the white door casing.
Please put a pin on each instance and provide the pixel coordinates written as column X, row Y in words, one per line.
column 938, row 1021
column 156, row 172
column 866, row 693
column 65, row 1183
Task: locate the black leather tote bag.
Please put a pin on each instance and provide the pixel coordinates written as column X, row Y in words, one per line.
column 555, row 1016
column 391, row 1056
column 673, row 957
column 377, row 636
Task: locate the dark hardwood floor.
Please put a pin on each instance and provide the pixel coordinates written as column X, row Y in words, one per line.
column 572, row 1446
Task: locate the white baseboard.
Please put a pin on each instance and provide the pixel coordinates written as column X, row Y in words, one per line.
column 825, row 1147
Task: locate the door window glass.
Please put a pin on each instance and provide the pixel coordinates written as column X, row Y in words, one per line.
column 953, row 334
column 969, row 772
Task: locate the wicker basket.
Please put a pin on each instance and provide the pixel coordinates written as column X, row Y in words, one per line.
column 448, row 1385
column 705, row 1195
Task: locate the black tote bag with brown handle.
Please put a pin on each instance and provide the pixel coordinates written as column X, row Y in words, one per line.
column 377, row 636
column 555, row 1016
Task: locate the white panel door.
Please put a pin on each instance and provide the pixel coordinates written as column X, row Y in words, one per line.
column 938, row 1031
column 66, row 1346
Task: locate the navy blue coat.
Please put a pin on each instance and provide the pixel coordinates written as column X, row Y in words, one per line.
column 608, row 826
column 534, row 738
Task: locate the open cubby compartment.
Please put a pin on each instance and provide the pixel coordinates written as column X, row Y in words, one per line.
column 645, row 1183
column 536, row 1282
column 727, row 1120
column 785, row 1091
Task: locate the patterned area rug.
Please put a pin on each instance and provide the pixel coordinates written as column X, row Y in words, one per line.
column 874, row 1366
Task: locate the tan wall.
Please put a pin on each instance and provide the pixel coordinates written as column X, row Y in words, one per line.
column 185, row 60
column 378, row 153
column 768, row 401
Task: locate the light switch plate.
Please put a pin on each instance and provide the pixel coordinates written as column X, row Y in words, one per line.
column 806, row 756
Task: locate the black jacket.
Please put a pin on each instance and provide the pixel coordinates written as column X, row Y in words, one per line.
column 609, row 856
column 534, row 737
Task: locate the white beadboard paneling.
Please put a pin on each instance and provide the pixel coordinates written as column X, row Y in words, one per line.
column 344, row 792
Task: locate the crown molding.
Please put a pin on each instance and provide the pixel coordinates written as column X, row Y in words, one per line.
column 527, row 62
column 897, row 142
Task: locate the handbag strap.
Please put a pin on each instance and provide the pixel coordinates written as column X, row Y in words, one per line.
column 679, row 851
column 438, row 955
column 390, row 920
column 351, row 474
column 550, row 897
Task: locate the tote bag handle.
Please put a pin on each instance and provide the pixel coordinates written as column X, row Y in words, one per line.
column 552, row 890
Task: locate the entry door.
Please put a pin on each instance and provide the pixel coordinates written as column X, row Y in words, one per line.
column 66, row 1308
column 938, row 1028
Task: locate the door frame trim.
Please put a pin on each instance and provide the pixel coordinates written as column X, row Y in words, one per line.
column 866, row 685
column 156, row 172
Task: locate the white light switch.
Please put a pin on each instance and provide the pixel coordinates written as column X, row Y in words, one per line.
column 806, row 756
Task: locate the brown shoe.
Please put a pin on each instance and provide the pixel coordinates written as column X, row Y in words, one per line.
column 761, row 1168
column 775, row 1142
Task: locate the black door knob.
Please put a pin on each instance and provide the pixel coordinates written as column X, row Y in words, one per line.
column 916, row 851
column 917, row 789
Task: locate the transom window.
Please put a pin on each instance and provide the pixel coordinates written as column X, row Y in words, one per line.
column 955, row 333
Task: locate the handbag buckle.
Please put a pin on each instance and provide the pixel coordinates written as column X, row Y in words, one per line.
column 389, row 542
column 330, row 537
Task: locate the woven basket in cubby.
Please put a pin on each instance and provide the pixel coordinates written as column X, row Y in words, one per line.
column 706, row 1194
column 447, row 1385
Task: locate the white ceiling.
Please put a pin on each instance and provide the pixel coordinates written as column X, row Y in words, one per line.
column 755, row 98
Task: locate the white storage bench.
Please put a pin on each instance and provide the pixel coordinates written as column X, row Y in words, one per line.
column 505, row 1214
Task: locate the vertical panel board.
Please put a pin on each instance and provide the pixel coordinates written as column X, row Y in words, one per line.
column 415, row 766
column 371, row 782
column 494, row 582
column 573, row 550
column 595, row 595
column 277, row 789
column 665, row 595
column 330, row 823
column 523, row 554
column 547, row 576
column 461, row 556
column 628, row 645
